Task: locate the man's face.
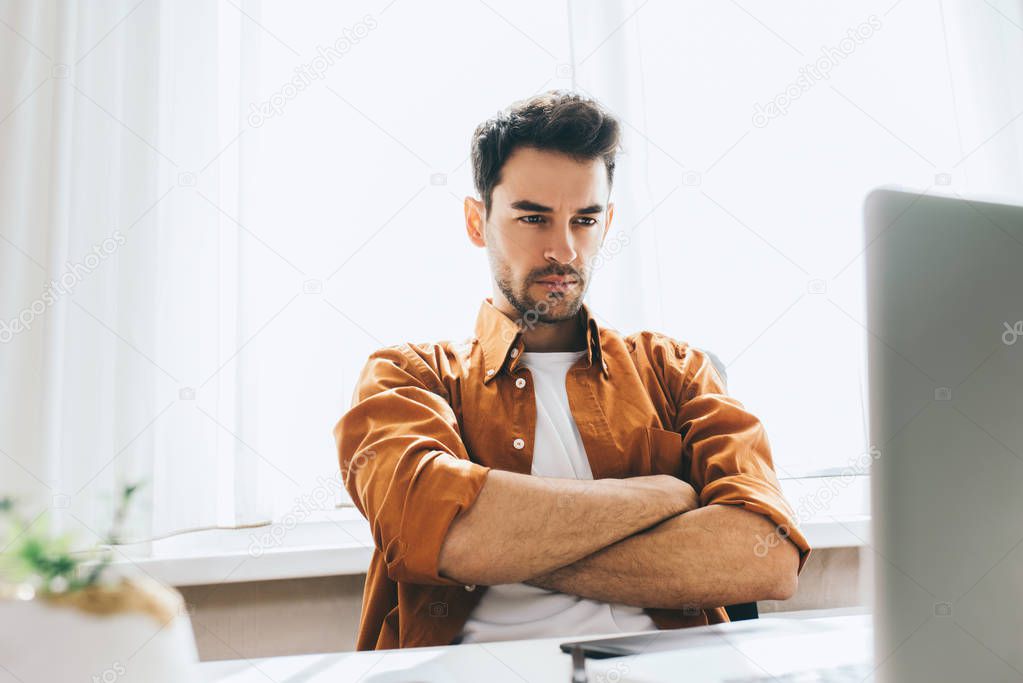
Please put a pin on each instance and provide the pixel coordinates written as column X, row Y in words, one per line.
column 548, row 218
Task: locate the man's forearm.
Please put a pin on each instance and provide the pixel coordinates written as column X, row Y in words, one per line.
column 521, row 526
column 702, row 558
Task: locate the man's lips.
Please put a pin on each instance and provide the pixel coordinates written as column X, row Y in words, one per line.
column 557, row 284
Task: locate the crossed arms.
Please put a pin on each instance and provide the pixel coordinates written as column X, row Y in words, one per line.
column 438, row 518
column 642, row 541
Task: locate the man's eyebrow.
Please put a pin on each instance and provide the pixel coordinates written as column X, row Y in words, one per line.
column 527, row 205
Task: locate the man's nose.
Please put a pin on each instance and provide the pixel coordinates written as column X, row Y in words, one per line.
column 561, row 247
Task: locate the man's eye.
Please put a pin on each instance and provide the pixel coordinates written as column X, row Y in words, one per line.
column 539, row 219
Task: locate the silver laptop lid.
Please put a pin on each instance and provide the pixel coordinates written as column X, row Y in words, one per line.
column 945, row 347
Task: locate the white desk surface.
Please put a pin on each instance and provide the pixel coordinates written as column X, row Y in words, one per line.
column 747, row 650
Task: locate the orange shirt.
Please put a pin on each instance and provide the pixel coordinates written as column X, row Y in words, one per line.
column 429, row 421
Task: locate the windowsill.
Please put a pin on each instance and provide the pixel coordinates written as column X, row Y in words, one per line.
column 339, row 542
column 328, row 544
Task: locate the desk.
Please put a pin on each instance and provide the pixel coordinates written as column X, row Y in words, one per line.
column 745, row 650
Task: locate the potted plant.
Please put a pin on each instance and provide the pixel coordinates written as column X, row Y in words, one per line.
column 74, row 615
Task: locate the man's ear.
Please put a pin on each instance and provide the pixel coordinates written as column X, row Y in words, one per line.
column 475, row 219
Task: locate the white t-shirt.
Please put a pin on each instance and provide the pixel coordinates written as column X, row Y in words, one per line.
column 517, row 610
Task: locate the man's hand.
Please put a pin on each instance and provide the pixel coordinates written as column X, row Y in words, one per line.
column 682, row 491
column 673, row 493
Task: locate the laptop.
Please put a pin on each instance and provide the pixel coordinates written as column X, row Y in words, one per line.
column 945, row 366
column 944, row 277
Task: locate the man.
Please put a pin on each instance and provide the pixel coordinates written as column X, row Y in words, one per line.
column 551, row 477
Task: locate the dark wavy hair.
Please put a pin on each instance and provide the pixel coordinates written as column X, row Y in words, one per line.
column 556, row 120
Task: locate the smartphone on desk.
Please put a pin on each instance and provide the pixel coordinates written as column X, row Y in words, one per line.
column 620, row 646
column 681, row 638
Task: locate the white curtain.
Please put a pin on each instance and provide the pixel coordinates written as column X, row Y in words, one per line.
column 120, row 256
column 250, row 199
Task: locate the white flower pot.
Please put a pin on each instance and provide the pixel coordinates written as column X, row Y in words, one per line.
column 137, row 631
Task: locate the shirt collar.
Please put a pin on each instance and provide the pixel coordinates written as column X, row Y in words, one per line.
column 498, row 336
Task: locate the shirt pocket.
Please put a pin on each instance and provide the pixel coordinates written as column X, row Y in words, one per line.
column 662, row 453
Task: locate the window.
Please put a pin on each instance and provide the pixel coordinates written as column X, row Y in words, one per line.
column 288, row 187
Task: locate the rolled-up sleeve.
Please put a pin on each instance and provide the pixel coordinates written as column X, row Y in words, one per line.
column 729, row 455
column 404, row 464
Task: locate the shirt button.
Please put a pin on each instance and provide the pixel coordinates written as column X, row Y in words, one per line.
column 514, row 353
column 520, row 382
column 471, row 588
column 519, row 444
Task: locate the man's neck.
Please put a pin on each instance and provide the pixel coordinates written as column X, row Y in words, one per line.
column 567, row 335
